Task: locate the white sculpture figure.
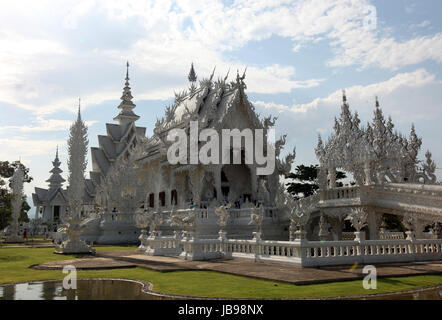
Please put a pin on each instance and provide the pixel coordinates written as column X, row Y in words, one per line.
column 155, row 222
column 125, row 185
column 323, row 228
column 142, row 221
column 409, row 222
column 298, row 219
column 428, row 169
column 16, row 203
column 284, row 201
column 256, row 218
column 185, row 221
column 77, row 148
column 223, row 216
column 358, row 218
column 300, row 216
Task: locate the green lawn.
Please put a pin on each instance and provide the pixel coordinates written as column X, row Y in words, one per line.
column 26, row 243
column 14, row 267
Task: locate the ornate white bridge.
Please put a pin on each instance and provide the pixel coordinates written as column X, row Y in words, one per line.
column 299, row 252
column 422, row 200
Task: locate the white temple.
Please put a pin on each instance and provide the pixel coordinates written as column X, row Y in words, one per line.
column 388, row 179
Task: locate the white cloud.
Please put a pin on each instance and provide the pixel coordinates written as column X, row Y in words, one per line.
column 14, row 147
column 386, row 53
column 406, row 96
column 423, row 24
column 44, row 125
column 169, row 35
column 359, row 94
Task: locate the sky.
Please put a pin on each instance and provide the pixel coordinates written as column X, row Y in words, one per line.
column 299, row 55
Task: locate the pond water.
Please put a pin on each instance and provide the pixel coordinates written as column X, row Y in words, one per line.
column 86, row 290
column 130, row 290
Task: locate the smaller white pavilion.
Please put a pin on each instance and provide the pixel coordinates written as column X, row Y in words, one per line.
column 51, row 204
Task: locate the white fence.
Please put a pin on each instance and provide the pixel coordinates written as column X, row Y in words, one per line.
column 386, row 235
column 300, row 252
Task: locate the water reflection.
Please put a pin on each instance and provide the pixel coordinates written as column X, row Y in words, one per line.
column 86, row 290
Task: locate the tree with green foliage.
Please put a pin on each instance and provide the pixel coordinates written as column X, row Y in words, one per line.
column 306, row 183
column 7, row 169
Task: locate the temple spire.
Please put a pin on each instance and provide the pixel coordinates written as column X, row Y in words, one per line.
column 55, row 180
column 79, row 110
column 192, row 75
column 126, row 114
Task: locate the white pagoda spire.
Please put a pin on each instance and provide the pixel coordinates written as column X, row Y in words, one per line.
column 126, row 114
column 55, row 180
column 77, row 148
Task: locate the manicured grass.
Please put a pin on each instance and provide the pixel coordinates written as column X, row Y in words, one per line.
column 14, row 267
column 26, row 243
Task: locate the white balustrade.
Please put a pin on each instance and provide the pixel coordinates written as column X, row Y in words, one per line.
column 386, row 235
column 299, row 252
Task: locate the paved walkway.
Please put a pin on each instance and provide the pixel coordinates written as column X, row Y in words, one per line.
column 275, row 272
column 88, row 263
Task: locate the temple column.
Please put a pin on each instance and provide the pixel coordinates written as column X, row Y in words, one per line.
column 337, row 225
column 166, row 186
column 172, row 185
column 332, row 177
column 196, row 176
column 157, row 202
column 419, row 228
column 372, row 222
column 217, row 177
column 367, row 173
column 254, row 183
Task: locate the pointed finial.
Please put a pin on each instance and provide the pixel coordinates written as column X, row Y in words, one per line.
column 127, row 70
column 192, row 75
column 227, row 75
column 377, row 102
column 56, row 153
column 344, row 97
column 213, row 72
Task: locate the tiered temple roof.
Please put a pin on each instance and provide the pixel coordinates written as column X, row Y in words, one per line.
column 118, row 139
column 55, row 185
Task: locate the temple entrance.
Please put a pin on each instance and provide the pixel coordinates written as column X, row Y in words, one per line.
column 236, row 183
column 56, row 213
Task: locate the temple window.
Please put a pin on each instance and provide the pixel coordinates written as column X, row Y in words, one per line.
column 173, row 197
column 151, row 200
column 162, row 196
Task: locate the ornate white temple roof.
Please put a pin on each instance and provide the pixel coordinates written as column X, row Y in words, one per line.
column 209, row 103
column 118, row 139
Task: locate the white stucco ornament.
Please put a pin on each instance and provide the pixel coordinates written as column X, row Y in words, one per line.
column 16, row 204
column 75, row 221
